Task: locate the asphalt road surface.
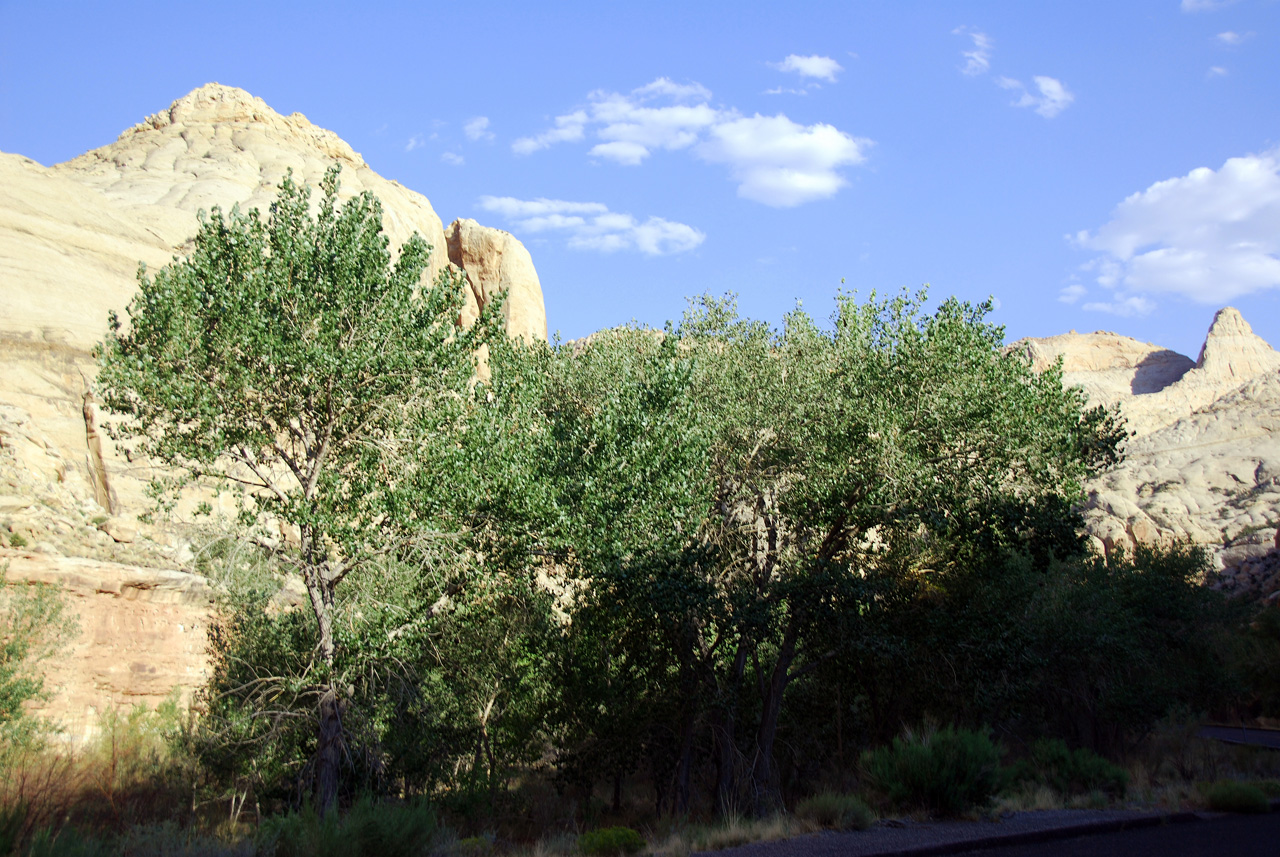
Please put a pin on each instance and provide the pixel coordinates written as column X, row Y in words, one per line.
column 1231, row 836
column 1243, row 735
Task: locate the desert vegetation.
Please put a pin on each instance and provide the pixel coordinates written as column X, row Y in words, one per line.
column 708, row 583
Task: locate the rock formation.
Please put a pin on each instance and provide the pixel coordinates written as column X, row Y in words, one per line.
column 494, row 261
column 1204, row 462
column 71, row 239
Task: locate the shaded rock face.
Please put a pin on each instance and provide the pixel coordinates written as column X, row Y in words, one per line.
column 71, row 239
column 1204, row 462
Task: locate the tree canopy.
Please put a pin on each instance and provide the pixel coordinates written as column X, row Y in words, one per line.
column 290, row 357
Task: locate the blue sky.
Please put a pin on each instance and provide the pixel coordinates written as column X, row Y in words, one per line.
column 1091, row 165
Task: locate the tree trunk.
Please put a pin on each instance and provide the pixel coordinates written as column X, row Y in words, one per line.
column 684, row 765
column 768, row 793
column 330, row 746
column 725, row 735
column 329, row 753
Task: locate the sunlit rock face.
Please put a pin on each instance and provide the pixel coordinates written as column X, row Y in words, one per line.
column 71, row 240
column 1204, row 463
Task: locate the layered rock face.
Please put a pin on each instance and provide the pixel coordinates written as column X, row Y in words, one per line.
column 1204, row 462
column 71, row 239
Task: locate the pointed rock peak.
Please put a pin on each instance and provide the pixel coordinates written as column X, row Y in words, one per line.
column 1232, row 350
column 215, row 104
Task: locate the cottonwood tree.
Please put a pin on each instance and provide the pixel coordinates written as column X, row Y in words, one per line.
column 892, row 430
column 293, row 359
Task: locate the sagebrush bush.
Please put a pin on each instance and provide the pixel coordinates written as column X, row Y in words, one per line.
column 836, row 811
column 610, row 841
column 1069, row 771
column 1234, row 796
column 369, row 829
column 945, row 771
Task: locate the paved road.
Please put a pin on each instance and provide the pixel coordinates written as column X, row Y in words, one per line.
column 1231, row 836
column 1243, row 735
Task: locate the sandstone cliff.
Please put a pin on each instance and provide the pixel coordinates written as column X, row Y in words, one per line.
column 71, row 238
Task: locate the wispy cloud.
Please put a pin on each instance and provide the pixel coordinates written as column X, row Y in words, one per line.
column 1216, row 71
column 417, row 141
column 774, row 160
column 568, row 129
column 453, row 159
column 592, row 226
column 1071, row 293
column 1211, row 235
column 978, row 60
column 1205, row 5
column 820, row 67
column 1052, row 99
column 1127, row 307
column 478, row 129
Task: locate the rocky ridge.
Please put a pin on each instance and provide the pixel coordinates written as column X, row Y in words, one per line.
column 71, row 238
column 1204, row 462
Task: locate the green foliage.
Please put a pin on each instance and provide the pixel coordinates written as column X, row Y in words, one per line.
column 70, row 842
column 33, row 624
column 836, row 811
column 1078, row 771
column 946, row 771
column 610, row 841
column 368, row 829
column 1235, row 796
column 294, row 360
column 17, row 540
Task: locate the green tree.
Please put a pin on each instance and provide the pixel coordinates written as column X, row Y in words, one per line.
column 293, row 359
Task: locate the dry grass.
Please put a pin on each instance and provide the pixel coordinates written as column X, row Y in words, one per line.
column 731, row 833
column 130, row 775
column 1029, row 797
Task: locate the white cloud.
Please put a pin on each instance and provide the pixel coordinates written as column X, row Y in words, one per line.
column 1052, row 100
column 978, row 60
column 780, row 163
column 1229, row 38
column 1071, row 293
column 591, row 226
column 1209, row 235
column 624, row 152
column 478, row 129
column 783, row 90
column 774, row 160
column 417, row 141
column 453, row 159
column 1216, row 71
column 568, row 129
column 823, row 68
column 1205, row 5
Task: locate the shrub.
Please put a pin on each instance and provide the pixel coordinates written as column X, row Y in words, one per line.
column 838, row 811
column 609, row 841
column 1070, row 771
column 369, row 829
column 1232, row 796
column 946, row 771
